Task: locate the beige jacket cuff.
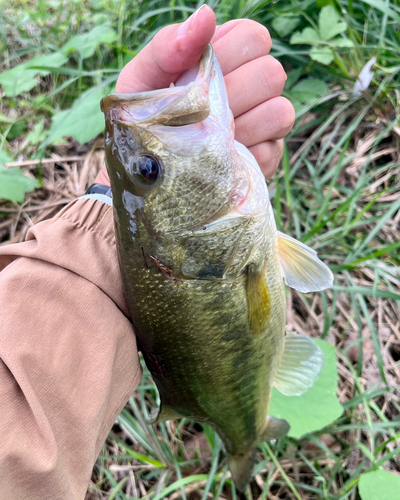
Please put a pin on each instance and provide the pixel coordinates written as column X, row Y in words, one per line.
column 68, row 356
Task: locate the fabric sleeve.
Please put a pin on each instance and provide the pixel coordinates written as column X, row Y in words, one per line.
column 68, row 356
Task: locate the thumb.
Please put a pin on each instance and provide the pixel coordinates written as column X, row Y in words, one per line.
column 173, row 50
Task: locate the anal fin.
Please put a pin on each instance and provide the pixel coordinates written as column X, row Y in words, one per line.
column 300, row 366
column 275, row 428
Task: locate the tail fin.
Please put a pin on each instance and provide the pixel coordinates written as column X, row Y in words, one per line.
column 241, row 467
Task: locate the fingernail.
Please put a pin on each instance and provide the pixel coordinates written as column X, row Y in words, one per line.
column 186, row 27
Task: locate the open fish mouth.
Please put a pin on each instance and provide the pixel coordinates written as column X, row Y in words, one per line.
column 175, row 106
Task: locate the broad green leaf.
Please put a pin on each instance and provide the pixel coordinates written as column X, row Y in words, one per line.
column 284, row 25
column 292, row 77
column 323, row 55
column 14, row 184
column 18, row 80
column 308, row 36
column 309, row 89
column 22, row 78
column 330, row 23
column 55, row 60
column 379, row 485
column 87, row 44
column 317, row 407
column 4, row 157
column 295, row 103
column 341, row 42
column 18, row 128
column 84, row 121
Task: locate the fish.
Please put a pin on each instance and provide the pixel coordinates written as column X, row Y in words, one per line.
column 203, row 265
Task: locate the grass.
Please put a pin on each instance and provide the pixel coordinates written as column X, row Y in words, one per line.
column 337, row 190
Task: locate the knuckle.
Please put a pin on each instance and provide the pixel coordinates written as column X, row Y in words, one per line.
column 272, row 77
column 286, row 115
column 276, row 68
column 259, row 37
column 268, row 155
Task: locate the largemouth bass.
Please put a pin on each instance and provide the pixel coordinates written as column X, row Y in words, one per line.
column 203, row 265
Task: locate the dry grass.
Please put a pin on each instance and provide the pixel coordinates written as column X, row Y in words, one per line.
column 64, row 178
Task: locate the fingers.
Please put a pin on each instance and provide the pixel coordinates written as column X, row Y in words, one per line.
column 254, row 80
column 173, row 50
column 268, row 155
column 254, row 83
column 238, row 42
column 271, row 120
column 102, row 177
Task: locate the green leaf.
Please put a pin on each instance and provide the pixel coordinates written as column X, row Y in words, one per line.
column 55, row 60
column 317, row 407
column 4, row 157
column 323, row 55
column 379, row 485
column 341, row 42
column 22, row 78
column 330, row 23
column 284, row 25
column 38, row 134
column 308, row 36
column 87, row 44
column 13, row 183
column 18, row 80
column 84, row 121
column 292, row 77
column 17, row 129
column 309, row 89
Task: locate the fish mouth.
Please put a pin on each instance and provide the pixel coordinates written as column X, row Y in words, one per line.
column 175, row 106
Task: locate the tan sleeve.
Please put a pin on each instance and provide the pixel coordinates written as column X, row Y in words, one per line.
column 68, row 356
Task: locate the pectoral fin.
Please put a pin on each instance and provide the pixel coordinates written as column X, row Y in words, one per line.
column 162, row 414
column 300, row 366
column 301, row 267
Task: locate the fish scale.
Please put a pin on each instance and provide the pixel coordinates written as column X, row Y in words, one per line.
column 202, row 263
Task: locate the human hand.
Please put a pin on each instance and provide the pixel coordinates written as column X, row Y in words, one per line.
column 254, row 79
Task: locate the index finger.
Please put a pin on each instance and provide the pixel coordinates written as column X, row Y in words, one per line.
column 240, row 41
column 173, row 50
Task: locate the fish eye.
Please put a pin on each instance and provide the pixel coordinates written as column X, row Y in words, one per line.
column 149, row 167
